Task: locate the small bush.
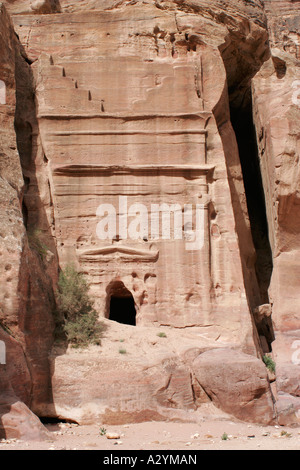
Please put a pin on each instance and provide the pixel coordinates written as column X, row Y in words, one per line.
column 102, row 431
column 286, row 434
column 270, row 364
column 162, row 335
column 224, row 436
column 75, row 315
column 122, row 351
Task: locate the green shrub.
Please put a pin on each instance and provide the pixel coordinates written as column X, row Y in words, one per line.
column 75, row 315
column 162, row 335
column 224, row 436
column 122, row 351
column 270, row 364
column 286, row 434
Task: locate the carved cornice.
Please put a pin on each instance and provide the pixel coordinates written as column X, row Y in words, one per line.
column 89, row 170
column 117, row 252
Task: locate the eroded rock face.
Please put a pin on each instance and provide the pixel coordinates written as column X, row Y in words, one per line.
column 32, row 6
column 132, row 109
column 158, row 133
column 16, row 419
column 241, row 391
column 24, row 303
column 146, row 376
column 277, row 116
column 284, row 24
column 151, row 135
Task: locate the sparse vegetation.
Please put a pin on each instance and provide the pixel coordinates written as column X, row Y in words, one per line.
column 270, row 364
column 285, row 434
column 224, row 436
column 76, row 318
column 122, row 351
column 162, row 334
column 102, row 431
column 36, row 244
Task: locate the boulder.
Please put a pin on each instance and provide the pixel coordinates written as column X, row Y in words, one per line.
column 236, row 383
column 16, row 419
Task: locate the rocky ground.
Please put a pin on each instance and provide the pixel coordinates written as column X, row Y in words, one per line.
column 162, row 436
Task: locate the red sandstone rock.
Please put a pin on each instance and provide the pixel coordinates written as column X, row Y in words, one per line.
column 93, row 129
column 152, row 123
column 237, row 383
column 18, row 422
column 277, row 117
column 25, row 308
column 32, row 6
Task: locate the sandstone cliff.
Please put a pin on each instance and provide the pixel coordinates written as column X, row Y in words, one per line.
column 26, row 300
column 178, row 102
column 276, row 112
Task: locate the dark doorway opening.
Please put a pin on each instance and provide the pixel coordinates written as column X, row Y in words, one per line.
column 122, row 310
column 120, row 304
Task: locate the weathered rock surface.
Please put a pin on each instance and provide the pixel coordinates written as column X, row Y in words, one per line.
column 32, row 6
column 276, row 90
column 97, row 128
column 238, row 384
column 25, row 324
column 140, row 99
column 284, row 25
column 16, row 419
column 137, row 376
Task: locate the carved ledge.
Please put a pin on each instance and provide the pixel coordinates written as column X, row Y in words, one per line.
column 87, row 170
column 47, row 114
column 114, row 252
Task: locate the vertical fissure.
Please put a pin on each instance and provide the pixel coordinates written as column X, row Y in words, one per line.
column 244, row 128
column 242, row 122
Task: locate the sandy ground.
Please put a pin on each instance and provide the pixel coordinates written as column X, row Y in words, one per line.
column 163, row 436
